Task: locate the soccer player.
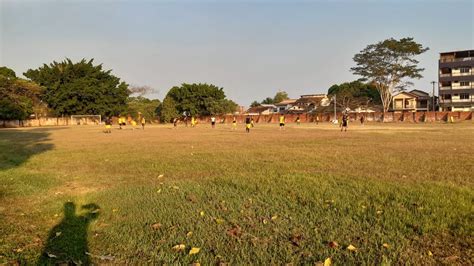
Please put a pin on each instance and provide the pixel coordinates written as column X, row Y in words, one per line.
column 193, row 121
column 133, row 123
column 175, row 122
column 282, row 122
column 213, row 122
column 143, row 121
column 108, row 125
column 344, row 122
column 252, row 122
column 298, row 120
column 234, row 123
column 248, row 124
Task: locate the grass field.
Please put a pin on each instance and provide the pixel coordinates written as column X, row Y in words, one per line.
column 398, row 193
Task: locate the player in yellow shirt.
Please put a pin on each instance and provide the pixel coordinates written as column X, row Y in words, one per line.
column 193, row 121
column 282, row 122
column 143, row 121
column 134, row 123
column 234, row 123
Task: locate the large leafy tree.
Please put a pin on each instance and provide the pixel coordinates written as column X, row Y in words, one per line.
column 19, row 98
column 199, row 99
column 168, row 110
column 80, row 88
column 389, row 65
column 142, row 107
column 354, row 94
column 280, row 96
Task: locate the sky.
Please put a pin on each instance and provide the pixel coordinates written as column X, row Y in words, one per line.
column 250, row 48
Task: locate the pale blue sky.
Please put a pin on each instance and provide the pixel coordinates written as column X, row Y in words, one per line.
column 251, row 48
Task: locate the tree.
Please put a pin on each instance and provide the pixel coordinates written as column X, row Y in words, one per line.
column 80, row 88
column 200, row 99
column 388, row 64
column 354, row 94
column 19, row 98
column 268, row 100
column 255, row 104
column 168, row 110
column 280, row 96
column 145, row 107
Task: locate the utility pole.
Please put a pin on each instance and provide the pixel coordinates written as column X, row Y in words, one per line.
column 335, row 115
column 433, row 82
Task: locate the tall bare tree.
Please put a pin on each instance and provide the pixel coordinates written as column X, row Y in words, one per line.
column 389, row 65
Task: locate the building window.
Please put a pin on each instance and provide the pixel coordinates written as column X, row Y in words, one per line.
column 464, row 83
column 464, row 96
column 465, row 69
column 446, row 96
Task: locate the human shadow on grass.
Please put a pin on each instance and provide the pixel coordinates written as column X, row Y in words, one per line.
column 67, row 241
column 17, row 146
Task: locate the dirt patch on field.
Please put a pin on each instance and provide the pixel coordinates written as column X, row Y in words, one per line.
column 441, row 249
column 75, row 188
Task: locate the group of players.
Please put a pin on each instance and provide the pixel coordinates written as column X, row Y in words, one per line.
column 122, row 122
column 249, row 122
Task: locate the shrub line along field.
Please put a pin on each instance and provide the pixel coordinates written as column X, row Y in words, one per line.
column 379, row 193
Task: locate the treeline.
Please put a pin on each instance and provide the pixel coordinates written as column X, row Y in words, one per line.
column 66, row 88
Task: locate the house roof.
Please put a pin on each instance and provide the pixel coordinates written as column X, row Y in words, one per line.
column 406, row 93
column 321, row 95
column 309, row 100
column 286, row 102
column 258, row 109
column 420, row 93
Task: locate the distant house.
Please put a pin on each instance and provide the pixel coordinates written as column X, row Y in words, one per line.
column 264, row 109
column 411, row 101
column 310, row 102
column 286, row 105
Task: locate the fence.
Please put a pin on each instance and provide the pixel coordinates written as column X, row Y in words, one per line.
column 409, row 117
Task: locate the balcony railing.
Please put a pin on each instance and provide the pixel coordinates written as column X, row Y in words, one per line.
column 456, row 87
column 446, row 60
column 455, row 74
column 456, row 101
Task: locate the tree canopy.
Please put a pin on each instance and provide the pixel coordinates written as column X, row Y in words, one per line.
column 354, row 94
column 19, row 98
column 145, row 107
column 80, row 88
column 197, row 99
column 279, row 97
column 389, row 65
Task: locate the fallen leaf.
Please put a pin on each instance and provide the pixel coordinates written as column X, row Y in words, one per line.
column 274, row 217
column 179, row 247
column 58, row 234
column 296, row 239
column 265, row 221
column 201, row 213
column 327, row 262
column 385, row 245
column 333, row 244
column 159, row 190
column 430, row 253
column 115, row 210
column 379, row 212
column 51, row 255
column 189, row 234
column 194, row 251
column 160, row 176
column 235, row 231
column 219, row 221
column 156, row 226
column 351, row 248
column 175, row 187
